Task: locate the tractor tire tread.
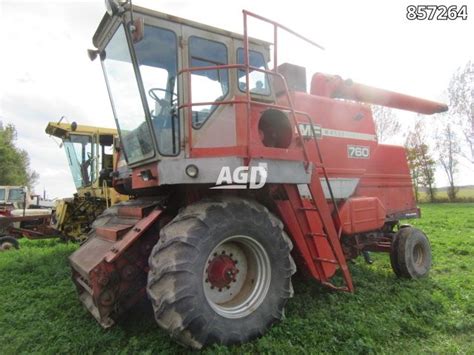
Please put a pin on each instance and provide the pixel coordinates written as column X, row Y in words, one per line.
column 177, row 249
column 403, row 253
column 11, row 240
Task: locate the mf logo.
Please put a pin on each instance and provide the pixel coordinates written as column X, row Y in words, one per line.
column 305, row 129
column 243, row 177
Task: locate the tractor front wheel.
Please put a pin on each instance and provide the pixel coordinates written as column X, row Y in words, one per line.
column 8, row 243
column 411, row 253
column 220, row 273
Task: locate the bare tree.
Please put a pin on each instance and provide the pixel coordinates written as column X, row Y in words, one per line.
column 461, row 104
column 449, row 150
column 386, row 122
column 422, row 165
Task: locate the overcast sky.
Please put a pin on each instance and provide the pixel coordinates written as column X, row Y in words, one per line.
column 45, row 72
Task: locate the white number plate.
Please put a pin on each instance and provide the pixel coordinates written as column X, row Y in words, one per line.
column 358, row 152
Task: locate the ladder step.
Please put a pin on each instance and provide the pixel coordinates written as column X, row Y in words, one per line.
column 324, row 260
column 321, row 235
column 337, row 288
column 308, row 209
column 114, row 232
column 324, row 227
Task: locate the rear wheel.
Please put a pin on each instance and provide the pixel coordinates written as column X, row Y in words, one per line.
column 220, row 273
column 411, row 253
column 8, row 243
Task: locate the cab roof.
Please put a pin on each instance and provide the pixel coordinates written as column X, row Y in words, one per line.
column 106, row 19
column 62, row 130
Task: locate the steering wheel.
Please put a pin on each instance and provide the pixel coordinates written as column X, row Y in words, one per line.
column 153, row 95
column 164, row 105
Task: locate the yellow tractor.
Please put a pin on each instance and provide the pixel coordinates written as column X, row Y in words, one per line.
column 92, row 153
column 92, row 158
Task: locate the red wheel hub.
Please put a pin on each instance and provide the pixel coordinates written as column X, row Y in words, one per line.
column 221, row 271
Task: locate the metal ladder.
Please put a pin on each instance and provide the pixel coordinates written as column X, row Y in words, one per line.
column 316, row 221
column 310, row 222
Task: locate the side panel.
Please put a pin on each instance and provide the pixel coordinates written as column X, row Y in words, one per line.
column 388, row 178
column 362, row 214
column 339, row 125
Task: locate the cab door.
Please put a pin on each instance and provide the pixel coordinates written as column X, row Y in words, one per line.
column 159, row 58
column 213, row 124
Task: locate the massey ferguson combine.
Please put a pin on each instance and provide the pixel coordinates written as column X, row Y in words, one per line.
column 237, row 170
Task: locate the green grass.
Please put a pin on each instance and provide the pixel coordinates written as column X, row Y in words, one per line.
column 39, row 311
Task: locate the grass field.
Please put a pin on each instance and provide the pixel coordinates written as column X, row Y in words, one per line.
column 39, row 311
column 464, row 194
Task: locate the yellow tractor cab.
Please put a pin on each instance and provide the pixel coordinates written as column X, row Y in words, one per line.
column 89, row 151
column 91, row 156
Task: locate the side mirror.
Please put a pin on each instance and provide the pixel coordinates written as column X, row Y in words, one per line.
column 92, row 53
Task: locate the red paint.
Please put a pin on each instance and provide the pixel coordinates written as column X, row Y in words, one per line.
column 333, row 86
column 138, row 182
column 132, row 235
column 362, row 214
column 221, row 271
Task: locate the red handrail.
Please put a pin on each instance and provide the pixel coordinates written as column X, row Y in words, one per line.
column 247, row 68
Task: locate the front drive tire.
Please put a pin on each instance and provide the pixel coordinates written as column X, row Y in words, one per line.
column 411, row 253
column 8, row 243
column 220, row 273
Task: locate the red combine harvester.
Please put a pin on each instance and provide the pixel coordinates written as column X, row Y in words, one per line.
column 232, row 165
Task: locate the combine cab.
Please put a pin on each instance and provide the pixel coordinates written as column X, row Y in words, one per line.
column 237, row 171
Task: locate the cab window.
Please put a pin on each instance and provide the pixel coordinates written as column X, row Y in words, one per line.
column 81, row 157
column 258, row 81
column 16, row 195
column 207, row 85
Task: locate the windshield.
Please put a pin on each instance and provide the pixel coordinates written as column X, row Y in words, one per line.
column 16, row 195
column 80, row 155
column 125, row 99
column 2, row 194
column 157, row 56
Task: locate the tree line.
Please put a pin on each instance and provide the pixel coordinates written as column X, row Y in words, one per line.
column 443, row 144
column 15, row 167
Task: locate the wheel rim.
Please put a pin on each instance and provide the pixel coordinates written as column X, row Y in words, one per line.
column 418, row 254
column 6, row 246
column 237, row 276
